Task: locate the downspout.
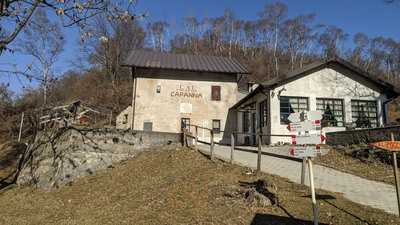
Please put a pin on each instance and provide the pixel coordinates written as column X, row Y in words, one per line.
column 384, row 109
column 133, row 97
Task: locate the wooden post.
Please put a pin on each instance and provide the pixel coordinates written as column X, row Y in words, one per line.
column 20, row 127
column 396, row 175
column 211, row 144
column 196, row 138
column 313, row 198
column 303, row 170
column 259, row 154
column 184, row 138
column 232, row 146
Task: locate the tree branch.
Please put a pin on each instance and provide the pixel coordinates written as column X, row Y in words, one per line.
column 19, row 27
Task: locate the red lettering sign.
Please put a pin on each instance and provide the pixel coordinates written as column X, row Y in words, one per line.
column 186, row 92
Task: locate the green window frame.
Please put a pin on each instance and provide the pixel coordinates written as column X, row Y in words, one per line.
column 291, row 104
column 364, row 113
column 336, row 106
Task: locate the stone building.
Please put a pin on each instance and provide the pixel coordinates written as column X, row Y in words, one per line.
column 352, row 98
column 172, row 91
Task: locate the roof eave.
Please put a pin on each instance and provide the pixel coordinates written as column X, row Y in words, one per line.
column 179, row 69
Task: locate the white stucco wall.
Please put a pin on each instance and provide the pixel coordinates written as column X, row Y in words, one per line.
column 325, row 83
column 124, row 119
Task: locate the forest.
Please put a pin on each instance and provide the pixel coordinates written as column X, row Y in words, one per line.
column 271, row 45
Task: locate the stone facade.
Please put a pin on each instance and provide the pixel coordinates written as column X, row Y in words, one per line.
column 164, row 97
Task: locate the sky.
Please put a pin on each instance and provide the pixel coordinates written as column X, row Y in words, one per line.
column 372, row 17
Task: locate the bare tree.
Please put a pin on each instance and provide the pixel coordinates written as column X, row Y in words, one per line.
column 331, row 40
column 158, row 32
column 44, row 41
column 297, row 35
column 273, row 16
column 17, row 13
column 109, row 44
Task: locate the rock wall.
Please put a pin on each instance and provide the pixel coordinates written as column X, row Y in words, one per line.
column 57, row 158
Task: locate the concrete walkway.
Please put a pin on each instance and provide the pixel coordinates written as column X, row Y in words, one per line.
column 366, row 192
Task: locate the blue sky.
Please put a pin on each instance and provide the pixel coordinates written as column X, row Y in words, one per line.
column 373, row 17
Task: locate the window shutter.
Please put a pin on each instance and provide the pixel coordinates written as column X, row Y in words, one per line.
column 216, row 93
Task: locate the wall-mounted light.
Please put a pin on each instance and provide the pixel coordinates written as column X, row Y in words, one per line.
column 158, row 89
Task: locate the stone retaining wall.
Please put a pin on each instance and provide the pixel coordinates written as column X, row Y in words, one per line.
column 61, row 156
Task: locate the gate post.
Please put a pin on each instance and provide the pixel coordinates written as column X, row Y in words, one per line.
column 211, row 144
column 232, row 146
column 259, row 153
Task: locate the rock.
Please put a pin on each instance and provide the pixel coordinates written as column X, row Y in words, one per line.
column 259, row 193
column 257, row 199
column 62, row 156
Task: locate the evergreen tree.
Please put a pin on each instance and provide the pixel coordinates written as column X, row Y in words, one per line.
column 328, row 118
column 363, row 121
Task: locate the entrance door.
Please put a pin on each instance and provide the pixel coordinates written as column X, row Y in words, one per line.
column 185, row 123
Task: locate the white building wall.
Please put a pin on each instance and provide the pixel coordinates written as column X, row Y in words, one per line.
column 326, row 83
column 124, row 119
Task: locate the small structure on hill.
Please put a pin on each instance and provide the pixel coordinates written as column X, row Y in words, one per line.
column 74, row 113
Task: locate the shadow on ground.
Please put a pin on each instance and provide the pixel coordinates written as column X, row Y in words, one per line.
column 9, row 156
column 266, row 219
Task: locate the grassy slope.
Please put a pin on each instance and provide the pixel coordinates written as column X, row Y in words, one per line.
column 173, row 187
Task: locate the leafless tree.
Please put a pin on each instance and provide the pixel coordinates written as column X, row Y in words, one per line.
column 17, row 13
column 44, row 41
column 158, row 34
column 297, row 35
column 106, row 43
column 273, row 16
column 331, row 40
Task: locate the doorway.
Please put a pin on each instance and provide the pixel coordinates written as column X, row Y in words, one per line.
column 185, row 123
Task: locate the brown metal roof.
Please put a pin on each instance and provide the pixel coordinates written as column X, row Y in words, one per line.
column 161, row 60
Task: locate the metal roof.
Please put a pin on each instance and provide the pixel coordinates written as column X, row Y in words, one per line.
column 162, row 60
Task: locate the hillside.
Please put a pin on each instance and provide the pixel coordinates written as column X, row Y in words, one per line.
column 175, row 187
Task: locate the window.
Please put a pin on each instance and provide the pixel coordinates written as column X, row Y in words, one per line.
column 333, row 112
column 216, row 93
column 290, row 105
column 185, row 123
column 158, row 89
column 364, row 113
column 125, row 120
column 245, row 122
column 263, row 113
column 216, row 126
column 147, row 126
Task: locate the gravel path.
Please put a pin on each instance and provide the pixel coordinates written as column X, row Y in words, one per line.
column 375, row 194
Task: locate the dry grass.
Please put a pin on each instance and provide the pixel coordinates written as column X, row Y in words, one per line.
column 373, row 170
column 174, row 187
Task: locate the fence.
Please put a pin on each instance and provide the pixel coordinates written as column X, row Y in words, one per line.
column 187, row 134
